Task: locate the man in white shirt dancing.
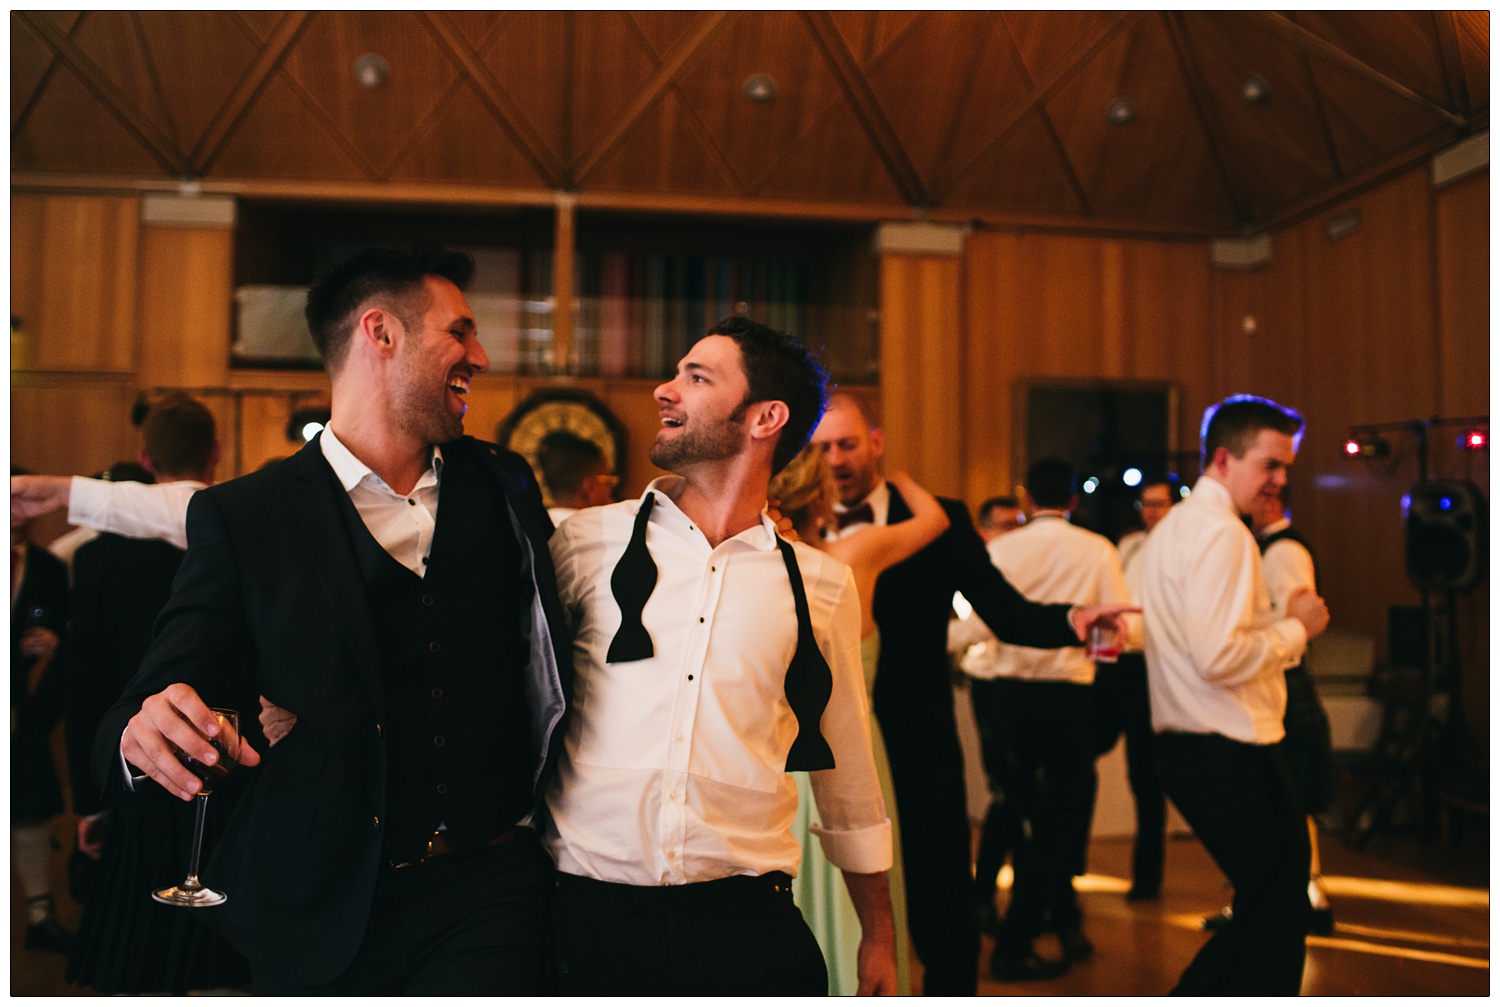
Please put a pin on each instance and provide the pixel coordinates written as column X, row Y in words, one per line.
column 711, row 658
column 1215, row 657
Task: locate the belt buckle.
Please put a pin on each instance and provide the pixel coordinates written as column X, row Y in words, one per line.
column 426, row 856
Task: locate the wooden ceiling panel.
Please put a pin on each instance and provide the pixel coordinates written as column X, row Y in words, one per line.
column 1365, row 119
column 282, row 137
column 375, row 121
column 1160, row 165
column 1046, row 40
column 1401, row 45
column 261, row 23
column 924, row 118
column 111, row 40
column 998, row 85
column 478, row 27
column 522, row 56
column 662, row 29
column 488, row 154
column 611, row 63
column 1271, row 151
column 752, row 136
column 65, row 111
column 835, row 161
column 30, row 61
column 994, row 115
column 197, row 56
column 669, row 151
column 1025, row 174
column 1473, row 31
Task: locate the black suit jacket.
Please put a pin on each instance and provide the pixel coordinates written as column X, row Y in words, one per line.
column 269, row 594
column 35, row 792
column 913, row 601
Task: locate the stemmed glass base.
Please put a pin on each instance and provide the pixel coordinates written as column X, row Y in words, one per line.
column 190, row 895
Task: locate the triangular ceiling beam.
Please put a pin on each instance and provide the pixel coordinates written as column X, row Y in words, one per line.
column 866, row 108
column 507, row 114
column 1197, row 88
column 1313, row 45
column 688, row 47
column 266, row 62
column 162, row 148
column 1012, row 115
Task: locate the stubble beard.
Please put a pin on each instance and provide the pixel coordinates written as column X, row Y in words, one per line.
column 693, row 446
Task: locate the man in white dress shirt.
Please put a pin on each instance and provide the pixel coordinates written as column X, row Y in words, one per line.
column 670, row 817
column 1215, row 657
column 1037, row 704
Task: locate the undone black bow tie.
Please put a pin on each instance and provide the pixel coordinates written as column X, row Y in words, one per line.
column 809, row 682
column 864, row 513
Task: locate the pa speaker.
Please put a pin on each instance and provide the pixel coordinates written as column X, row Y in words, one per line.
column 1447, row 536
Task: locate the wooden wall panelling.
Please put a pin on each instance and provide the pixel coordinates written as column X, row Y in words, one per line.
column 69, row 425
column 1462, row 243
column 921, row 368
column 993, row 345
column 1371, row 357
column 187, row 291
column 74, row 281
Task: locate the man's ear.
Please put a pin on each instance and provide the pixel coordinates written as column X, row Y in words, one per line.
column 767, row 418
column 145, row 461
column 877, row 442
column 1220, row 461
column 380, row 331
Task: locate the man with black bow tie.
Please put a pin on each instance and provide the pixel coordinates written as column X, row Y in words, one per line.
column 914, row 695
column 712, row 657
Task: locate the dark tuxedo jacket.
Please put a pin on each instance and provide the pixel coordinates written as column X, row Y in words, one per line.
column 269, row 594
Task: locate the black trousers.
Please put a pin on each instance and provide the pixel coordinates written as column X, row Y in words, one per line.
column 1046, row 725
column 472, row 924
column 1003, row 832
column 1241, row 804
column 1122, row 705
column 738, row 936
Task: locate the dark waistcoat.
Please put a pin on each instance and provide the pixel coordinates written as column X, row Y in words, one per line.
column 452, row 658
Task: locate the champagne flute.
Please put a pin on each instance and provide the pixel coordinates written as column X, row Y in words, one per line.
column 191, row 891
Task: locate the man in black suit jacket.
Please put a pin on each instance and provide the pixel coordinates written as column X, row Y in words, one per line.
column 383, row 846
column 913, row 692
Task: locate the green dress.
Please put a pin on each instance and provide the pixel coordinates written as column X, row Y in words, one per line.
column 819, row 886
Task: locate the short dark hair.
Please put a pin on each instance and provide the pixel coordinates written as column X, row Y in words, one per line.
column 1238, row 420
column 1052, row 482
column 396, row 273
column 1167, row 479
column 780, row 367
column 565, row 460
column 126, row 472
column 994, row 502
column 179, row 436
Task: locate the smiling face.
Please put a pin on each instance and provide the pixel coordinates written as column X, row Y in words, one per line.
column 702, row 409
column 852, row 448
column 438, row 358
column 1257, row 478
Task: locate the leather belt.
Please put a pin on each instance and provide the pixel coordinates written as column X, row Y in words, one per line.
column 440, row 846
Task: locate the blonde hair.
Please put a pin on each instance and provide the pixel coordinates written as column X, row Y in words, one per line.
column 805, row 490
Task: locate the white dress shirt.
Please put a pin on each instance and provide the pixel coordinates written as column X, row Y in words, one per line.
column 1050, row 561
column 1214, row 653
column 135, row 510
column 1286, row 566
column 673, row 768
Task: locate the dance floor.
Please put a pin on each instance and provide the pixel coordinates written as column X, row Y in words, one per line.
column 1411, row 919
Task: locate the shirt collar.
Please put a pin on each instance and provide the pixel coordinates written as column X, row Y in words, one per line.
column 1274, row 527
column 761, row 536
column 351, row 471
column 1210, row 490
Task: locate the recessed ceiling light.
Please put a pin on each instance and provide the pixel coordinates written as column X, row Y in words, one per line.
column 1121, row 111
column 371, row 70
column 1255, row 90
column 760, row 88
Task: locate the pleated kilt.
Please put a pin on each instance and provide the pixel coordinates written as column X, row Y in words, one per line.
column 1309, row 742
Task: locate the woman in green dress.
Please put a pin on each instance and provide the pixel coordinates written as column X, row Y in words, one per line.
column 804, row 494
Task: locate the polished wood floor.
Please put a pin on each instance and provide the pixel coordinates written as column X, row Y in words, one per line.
column 1411, row 918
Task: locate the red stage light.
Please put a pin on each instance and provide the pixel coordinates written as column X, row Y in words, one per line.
column 1351, row 448
column 1474, row 440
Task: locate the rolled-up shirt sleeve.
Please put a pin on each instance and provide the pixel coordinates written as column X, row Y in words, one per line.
column 855, row 832
column 131, row 509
